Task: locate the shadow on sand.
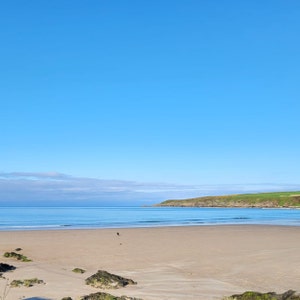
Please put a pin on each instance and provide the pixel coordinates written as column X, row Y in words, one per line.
column 36, row 298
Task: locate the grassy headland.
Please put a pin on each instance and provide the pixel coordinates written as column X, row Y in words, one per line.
column 261, row 200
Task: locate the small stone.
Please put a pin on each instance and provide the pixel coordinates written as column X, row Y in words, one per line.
column 78, row 270
column 6, row 267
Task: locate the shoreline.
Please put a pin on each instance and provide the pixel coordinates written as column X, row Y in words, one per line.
column 74, row 228
column 71, row 228
column 174, row 262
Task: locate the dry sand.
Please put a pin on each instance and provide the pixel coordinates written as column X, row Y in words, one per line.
column 207, row 262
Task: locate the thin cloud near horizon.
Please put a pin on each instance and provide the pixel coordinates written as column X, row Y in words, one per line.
column 47, row 188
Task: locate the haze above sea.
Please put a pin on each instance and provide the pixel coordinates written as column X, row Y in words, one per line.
column 42, row 218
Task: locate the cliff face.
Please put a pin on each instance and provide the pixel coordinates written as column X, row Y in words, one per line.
column 262, row 200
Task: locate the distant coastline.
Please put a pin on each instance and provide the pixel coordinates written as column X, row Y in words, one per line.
column 260, row 200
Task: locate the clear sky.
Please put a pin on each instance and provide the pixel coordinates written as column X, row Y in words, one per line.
column 184, row 92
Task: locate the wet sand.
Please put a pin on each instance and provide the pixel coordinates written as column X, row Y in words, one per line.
column 204, row 262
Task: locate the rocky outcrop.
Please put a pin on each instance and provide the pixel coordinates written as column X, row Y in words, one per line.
column 105, row 296
column 105, row 280
column 289, row 295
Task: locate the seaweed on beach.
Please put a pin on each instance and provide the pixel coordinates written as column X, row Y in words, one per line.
column 105, row 280
column 26, row 282
column 250, row 295
column 17, row 256
column 78, row 270
column 105, row 296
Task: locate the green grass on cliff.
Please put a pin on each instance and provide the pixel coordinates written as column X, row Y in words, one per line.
column 279, row 199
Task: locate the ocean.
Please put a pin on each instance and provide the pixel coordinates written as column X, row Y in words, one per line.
column 42, row 218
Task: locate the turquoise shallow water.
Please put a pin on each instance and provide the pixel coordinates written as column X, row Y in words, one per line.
column 42, row 218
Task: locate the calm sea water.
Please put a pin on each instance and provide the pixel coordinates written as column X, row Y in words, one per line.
column 39, row 218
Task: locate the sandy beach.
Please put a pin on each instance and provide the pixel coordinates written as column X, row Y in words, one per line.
column 207, row 262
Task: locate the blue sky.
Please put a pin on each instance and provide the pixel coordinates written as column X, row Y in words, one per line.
column 189, row 93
